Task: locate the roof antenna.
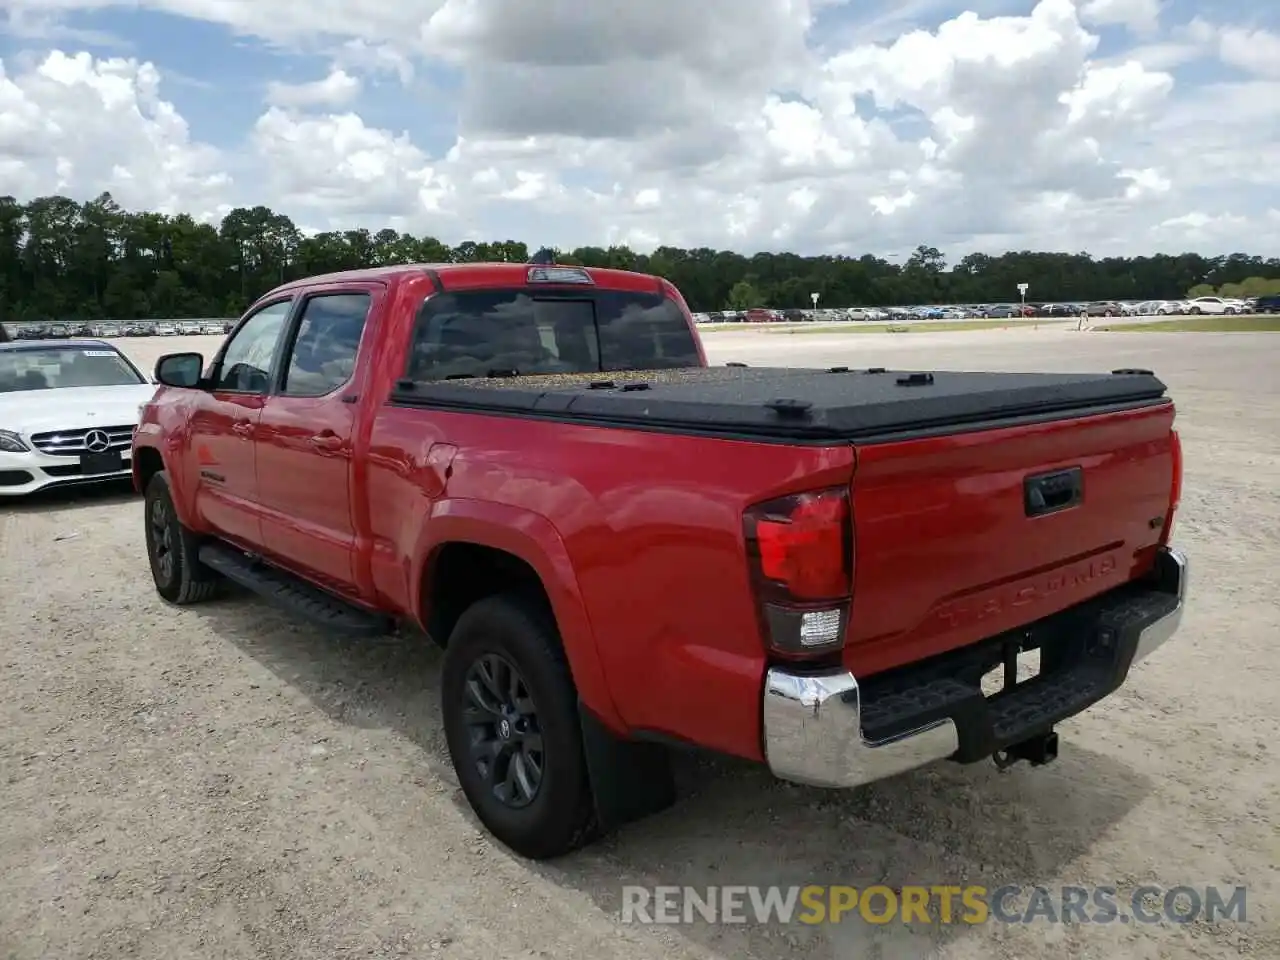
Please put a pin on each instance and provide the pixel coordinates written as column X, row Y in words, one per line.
column 544, row 257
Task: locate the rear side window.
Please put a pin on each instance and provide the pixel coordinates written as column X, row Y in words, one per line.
column 484, row 333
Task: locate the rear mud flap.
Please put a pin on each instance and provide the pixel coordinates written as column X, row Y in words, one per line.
column 630, row 779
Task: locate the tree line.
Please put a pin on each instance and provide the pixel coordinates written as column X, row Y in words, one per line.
column 61, row 259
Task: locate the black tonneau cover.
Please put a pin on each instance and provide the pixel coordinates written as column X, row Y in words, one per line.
column 790, row 403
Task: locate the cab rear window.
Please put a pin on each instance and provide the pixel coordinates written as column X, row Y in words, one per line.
column 488, row 333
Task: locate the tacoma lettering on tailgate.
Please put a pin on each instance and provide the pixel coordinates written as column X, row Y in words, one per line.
column 1025, row 593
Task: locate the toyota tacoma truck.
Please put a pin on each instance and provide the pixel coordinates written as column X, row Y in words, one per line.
column 623, row 550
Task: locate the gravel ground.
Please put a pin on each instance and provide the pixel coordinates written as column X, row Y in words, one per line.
column 222, row 782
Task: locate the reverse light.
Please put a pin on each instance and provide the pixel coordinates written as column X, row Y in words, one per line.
column 11, row 442
column 559, row 275
column 801, row 552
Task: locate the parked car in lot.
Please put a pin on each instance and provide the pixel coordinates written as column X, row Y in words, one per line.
column 1212, row 306
column 67, row 413
column 1003, row 310
column 1103, row 308
column 621, row 548
column 1054, row 310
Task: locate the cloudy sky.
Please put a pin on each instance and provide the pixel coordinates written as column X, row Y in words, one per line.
column 844, row 126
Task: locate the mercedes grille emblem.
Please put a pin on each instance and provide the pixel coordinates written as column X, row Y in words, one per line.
column 97, row 441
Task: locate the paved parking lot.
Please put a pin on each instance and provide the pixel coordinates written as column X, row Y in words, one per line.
column 222, row 782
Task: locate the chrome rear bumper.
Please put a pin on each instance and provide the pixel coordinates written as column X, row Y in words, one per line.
column 813, row 724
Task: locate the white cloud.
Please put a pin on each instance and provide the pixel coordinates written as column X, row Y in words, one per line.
column 1255, row 51
column 1142, row 16
column 339, row 166
column 724, row 123
column 79, row 126
column 375, row 58
column 337, row 89
column 1145, row 181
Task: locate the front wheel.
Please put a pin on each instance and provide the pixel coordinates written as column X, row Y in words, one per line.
column 511, row 722
column 1196, row 311
column 173, row 550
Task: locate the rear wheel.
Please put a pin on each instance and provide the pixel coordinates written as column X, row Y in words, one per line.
column 173, row 550
column 511, row 721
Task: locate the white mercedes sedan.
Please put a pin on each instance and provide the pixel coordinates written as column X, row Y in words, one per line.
column 68, row 409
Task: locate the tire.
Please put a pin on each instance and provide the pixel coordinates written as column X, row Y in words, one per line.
column 172, row 550
column 1161, row 313
column 1195, row 311
column 503, row 633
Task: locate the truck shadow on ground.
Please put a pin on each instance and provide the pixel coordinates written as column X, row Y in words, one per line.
column 734, row 824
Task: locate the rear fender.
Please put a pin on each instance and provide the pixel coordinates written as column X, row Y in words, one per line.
column 533, row 539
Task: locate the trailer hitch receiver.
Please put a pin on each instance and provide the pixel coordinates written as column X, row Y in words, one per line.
column 1037, row 751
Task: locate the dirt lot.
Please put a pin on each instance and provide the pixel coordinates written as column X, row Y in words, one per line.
column 221, row 782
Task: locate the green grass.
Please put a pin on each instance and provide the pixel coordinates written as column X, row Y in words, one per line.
column 1237, row 324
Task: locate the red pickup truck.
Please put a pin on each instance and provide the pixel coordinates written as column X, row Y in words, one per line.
column 622, row 549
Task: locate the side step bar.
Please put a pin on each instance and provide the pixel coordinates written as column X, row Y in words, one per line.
column 294, row 595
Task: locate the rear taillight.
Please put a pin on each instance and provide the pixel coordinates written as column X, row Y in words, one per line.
column 1175, row 491
column 801, row 553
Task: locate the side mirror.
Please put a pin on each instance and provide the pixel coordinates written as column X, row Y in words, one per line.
column 180, row 369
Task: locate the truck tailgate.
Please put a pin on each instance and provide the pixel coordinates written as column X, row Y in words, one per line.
column 962, row 537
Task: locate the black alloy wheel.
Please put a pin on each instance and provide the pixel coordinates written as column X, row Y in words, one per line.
column 173, row 550
column 512, row 723
column 505, row 739
column 160, row 539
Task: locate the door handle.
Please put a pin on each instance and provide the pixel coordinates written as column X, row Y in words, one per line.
column 243, row 429
column 327, row 441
